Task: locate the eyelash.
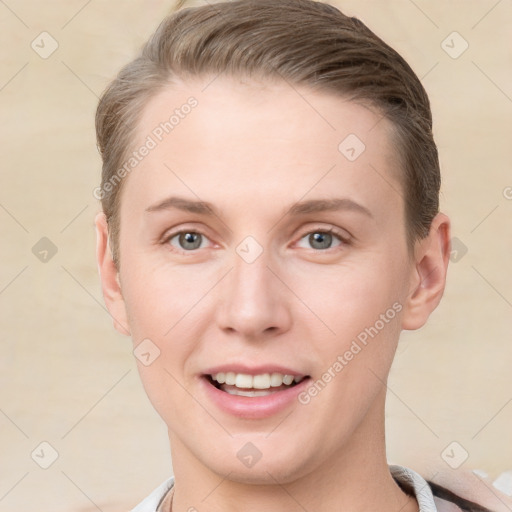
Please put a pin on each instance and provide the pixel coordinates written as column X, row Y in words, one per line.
column 344, row 241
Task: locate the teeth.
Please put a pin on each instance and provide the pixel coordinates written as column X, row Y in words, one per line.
column 287, row 379
column 239, row 392
column 276, row 379
column 262, row 381
column 243, row 380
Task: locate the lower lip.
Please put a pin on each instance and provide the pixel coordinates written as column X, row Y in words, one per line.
column 257, row 407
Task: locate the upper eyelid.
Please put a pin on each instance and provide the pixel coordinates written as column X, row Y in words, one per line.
column 332, row 230
column 176, row 230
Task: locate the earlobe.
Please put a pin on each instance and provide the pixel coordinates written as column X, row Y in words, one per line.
column 428, row 280
column 109, row 277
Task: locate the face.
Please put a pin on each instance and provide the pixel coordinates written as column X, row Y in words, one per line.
column 264, row 268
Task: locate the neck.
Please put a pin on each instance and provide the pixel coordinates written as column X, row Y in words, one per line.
column 356, row 478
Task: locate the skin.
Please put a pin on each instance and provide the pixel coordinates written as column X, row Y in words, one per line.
column 253, row 149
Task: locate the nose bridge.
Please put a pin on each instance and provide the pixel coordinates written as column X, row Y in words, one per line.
column 252, row 302
column 250, row 278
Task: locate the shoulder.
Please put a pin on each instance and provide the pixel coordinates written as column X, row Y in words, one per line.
column 469, row 491
column 474, row 492
column 455, row 491
column 151, row 502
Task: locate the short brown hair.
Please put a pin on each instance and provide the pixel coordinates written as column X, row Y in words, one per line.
column 301, row 41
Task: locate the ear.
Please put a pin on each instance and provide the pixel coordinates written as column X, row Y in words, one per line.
column 109, row 276
column 428, row 278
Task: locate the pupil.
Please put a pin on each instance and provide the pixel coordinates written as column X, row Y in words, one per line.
column 320, row 240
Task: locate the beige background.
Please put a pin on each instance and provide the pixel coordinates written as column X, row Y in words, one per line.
column 67, row 378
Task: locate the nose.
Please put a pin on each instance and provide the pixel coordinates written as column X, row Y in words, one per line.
column 254, row 302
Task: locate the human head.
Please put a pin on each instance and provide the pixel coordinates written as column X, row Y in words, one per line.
column 253, row 146
column 334, row 53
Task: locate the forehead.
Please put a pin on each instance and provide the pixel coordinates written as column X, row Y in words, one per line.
column 220, row 136
column 243, row 108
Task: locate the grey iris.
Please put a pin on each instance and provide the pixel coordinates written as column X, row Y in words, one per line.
column 190, row 240
column 320, row 240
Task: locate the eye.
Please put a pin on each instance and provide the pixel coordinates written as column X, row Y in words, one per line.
column 187, row 240
column 321, row 240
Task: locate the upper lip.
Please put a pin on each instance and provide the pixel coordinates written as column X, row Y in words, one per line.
column 253, row 370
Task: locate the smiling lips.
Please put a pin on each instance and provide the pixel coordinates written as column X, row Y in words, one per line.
column 253, row 393
column 243, row 384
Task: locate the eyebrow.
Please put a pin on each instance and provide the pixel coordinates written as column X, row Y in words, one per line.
column 299, row 208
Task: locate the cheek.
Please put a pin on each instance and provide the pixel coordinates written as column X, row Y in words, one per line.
column 163, row 306
column 360, row 302
column 356, row 360
column 169, row 305
column 350, row 296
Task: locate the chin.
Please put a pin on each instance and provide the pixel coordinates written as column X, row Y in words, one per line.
column 268, row 474
column 272, row 464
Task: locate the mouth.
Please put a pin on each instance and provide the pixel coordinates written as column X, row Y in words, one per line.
column 243, row 384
